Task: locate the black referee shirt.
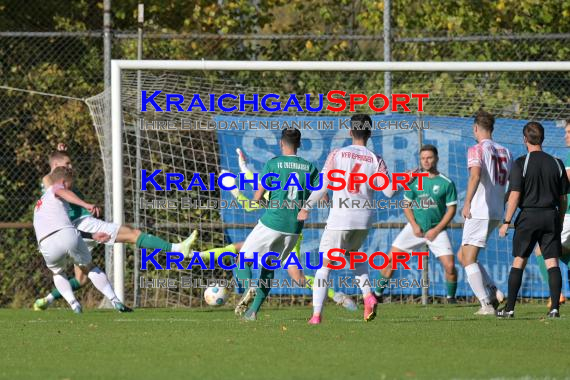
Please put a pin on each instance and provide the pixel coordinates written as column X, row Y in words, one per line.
column 540, row 178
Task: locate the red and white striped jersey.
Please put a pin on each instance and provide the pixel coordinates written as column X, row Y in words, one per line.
column 495, row 162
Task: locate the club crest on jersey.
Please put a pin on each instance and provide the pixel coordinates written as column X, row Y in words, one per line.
column 436, row 189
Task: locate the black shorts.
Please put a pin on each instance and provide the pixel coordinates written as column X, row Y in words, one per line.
column 540, row 226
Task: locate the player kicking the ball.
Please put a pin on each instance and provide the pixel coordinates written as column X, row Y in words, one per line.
column 489, row 166
column 245, row 275
column 88, row 224
column 347, row 228
column 427, row 226
column 278, row 229
column 59, row 240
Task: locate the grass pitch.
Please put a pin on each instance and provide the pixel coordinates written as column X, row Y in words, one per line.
column 404, row 342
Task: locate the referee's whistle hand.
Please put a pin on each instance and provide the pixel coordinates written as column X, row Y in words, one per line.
column 503, row 231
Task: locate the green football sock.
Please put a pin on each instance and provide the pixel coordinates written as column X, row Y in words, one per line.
column 153, row 242
column 381, row 281
column 74, row 286
column 542, row 267
column 451, row 288
column 244, row 275
column 205, row 255
column 263, row 290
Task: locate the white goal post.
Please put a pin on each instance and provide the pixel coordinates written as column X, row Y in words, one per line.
column 116, row 123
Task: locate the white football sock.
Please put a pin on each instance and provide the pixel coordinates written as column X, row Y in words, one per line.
column 487, row 280
column 101, row 282
column 475, row 279
column 49, row 299
column 320, row 289
column 361, row 270
column 64, row 288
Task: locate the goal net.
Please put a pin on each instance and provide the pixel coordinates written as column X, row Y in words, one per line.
column 168, row 141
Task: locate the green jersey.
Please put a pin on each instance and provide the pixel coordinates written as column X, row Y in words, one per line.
column 290, row 200
column 438, row 193
column 567, row 166
column 74, row 211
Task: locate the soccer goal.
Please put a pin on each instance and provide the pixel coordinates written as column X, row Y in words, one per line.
column 194, row 140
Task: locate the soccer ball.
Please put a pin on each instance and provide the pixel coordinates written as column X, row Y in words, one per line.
column 216, row 295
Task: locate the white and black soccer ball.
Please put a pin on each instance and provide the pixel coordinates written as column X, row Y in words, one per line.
column 216, row 295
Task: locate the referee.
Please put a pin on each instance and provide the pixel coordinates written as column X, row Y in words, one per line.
column 538, row 185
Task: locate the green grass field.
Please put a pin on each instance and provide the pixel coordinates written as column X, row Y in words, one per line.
column 404, row 342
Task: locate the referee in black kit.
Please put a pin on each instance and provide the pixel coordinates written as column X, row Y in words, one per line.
column 538, row 185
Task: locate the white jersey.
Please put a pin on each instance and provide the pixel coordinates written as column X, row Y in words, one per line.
column 495, row 162
column 353, row 159
column 50, row 213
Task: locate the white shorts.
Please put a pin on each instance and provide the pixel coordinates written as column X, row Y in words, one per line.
column 91, row 225
column 476, row 231
column 264, row 239
column 408, row 242
column 350, row 240
column 63, row 246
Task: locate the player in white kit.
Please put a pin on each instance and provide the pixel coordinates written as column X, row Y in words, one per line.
column 347, row 228
column 489, row 166
column 60, row 242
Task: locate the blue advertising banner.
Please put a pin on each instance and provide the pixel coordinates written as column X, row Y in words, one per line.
column 398, row 144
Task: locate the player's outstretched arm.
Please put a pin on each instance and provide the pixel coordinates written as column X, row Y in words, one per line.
column 70, row 197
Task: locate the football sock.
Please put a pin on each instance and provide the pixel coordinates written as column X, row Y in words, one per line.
column 244, row 275
column 542, row 267
column 515, row 280
column 64, row 287
column 381, row 281
column 451, row 288
column 264, row 279
column 153, row 242
column 55, row 294
column 320, row 289
column 101, row 282
column 310, row 280
column 475, row 279
column 361, row 271
column 205, row 255
column 555, row 284
column 50, row 298
column 487, row 280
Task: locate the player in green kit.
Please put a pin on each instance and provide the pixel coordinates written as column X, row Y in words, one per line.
column 426, row 226
column 88, row 225
column 278, row 229
column 244, row 275
column 565, row 236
